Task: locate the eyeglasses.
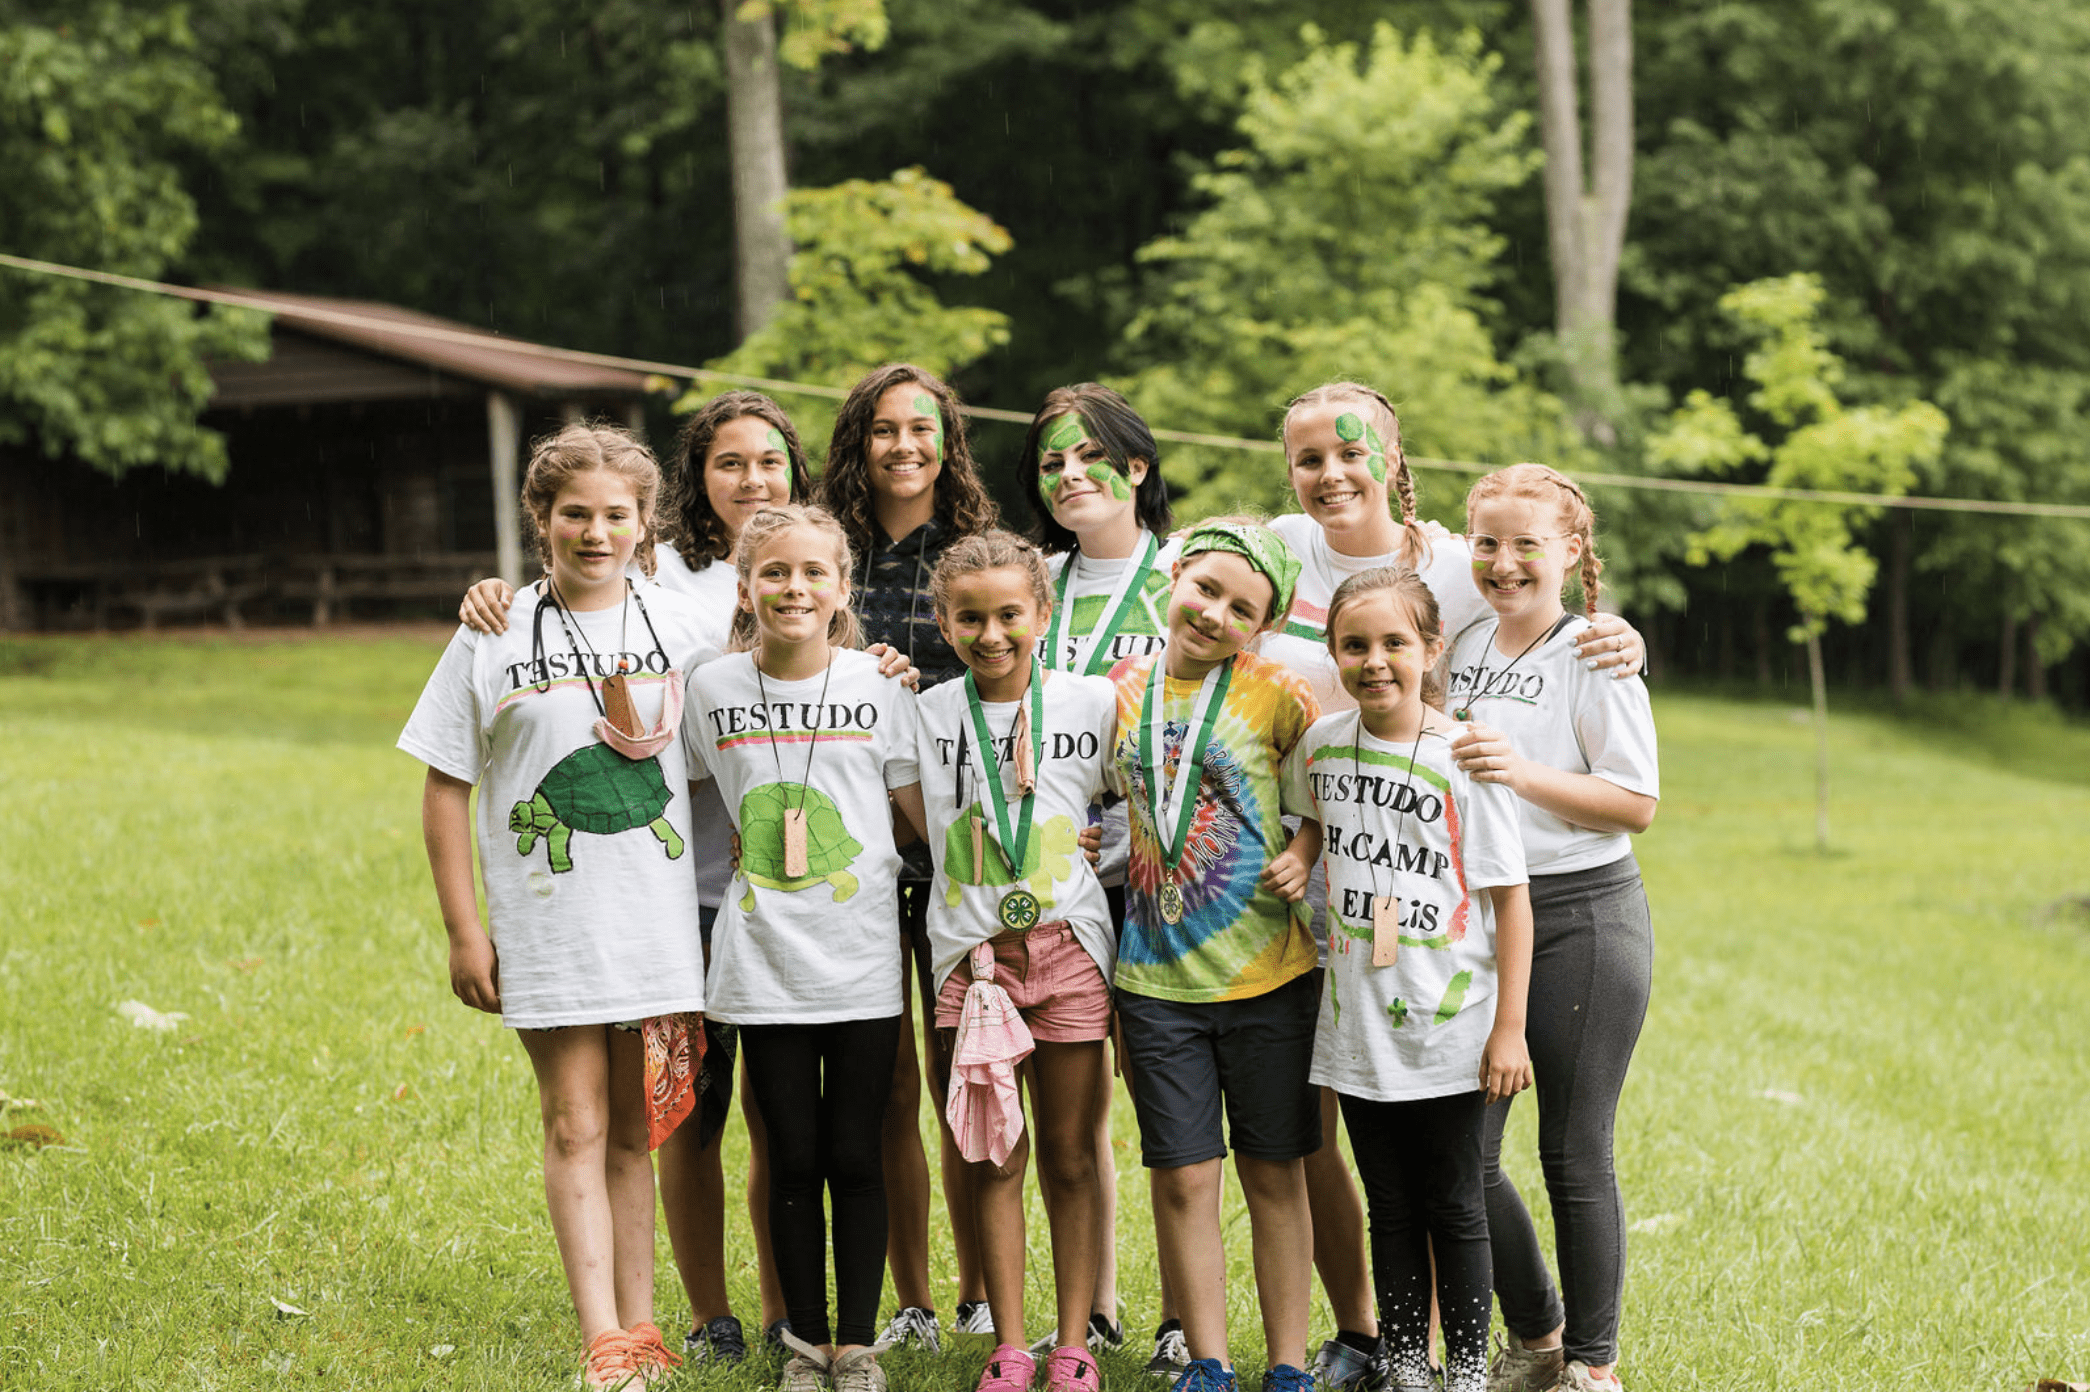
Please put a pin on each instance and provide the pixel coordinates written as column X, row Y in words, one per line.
column 1485, row 547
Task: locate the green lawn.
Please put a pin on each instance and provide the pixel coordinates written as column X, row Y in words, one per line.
column 1856, row 1147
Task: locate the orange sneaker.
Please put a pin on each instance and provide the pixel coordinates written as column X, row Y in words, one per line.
column 650, row 1353
column 611, row 1364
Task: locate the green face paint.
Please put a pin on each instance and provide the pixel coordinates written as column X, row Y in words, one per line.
column 1240, row 626
column 966, row 640
column 1017, row 630
column 1376, row 460
column 1189, row 614
column 1349, row 426
column 776, row 441
column 771, row 601
column 1064, row 433
column 925, row 405
column 1107, row 476
column 1049, row 486
column 622, row 531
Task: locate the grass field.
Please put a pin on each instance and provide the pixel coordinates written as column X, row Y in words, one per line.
column 1856, row 1145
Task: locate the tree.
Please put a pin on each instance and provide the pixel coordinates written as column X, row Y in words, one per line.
column 95, row 115
column 1586, row 217
column 1344, row 239
column 858, row 298
column 1827, row 446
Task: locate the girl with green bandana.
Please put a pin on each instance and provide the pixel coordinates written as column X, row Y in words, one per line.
column 900, row 477
column 1215, row 993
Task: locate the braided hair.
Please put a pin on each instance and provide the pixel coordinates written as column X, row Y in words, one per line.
column 1415, row 547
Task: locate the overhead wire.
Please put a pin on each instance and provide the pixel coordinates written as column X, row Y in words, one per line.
column 478, row 338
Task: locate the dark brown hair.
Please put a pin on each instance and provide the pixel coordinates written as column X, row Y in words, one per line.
column 1541, row 484
column 1409, row 589
column 1124, row 435
column 582, row 449
column 962, row 504
column 687, row 520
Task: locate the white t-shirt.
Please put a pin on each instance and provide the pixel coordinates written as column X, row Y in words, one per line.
column 1555, row 710
column 1301, row 642
column 1436, row 839
column 715, row 589
column 1080, row 717
column 1144, row 631
column 822, row 947
column 586, row 855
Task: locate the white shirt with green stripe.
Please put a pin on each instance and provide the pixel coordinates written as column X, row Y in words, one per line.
column 1433, row 838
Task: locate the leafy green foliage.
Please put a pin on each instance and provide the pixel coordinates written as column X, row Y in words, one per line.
column 94, row 116
column 817, row 29
column 1828, row 446
column 1344, row 239
column 859, row 297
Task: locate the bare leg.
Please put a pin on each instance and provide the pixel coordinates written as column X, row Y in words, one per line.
column 1338, row 1228
column 628, row 1173
column 960, row 1202
column 906, row 1168
column 1105, row 1298
column 773, row 1308
column 573, row 1096
column 1283, row 1241
column 693, row 1199
column 1188, row 1240
column 997, row 1197
column 1064, row 1078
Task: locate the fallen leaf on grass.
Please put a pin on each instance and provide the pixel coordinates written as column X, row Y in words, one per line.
column 412, row 1030
column 148, row 923
column 245, row 964
column 35, row 1134
column 399, row 1093
column 145, row 1017
column 287, row 1311
column 1782, row 1097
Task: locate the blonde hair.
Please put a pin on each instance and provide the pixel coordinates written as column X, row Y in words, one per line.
column 1409, row 589
column 763, row 528
column 558, row 458
column 990, row 550
column 1415, row 547
column 1540, row 484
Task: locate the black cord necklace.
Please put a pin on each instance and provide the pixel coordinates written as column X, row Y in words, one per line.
column 1465, row 711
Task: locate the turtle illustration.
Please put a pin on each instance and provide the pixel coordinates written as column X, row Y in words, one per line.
column 830, row 849
column 1053, row 844
column 594, row 789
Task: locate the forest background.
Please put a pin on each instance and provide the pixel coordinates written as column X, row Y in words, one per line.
column 1211, row 203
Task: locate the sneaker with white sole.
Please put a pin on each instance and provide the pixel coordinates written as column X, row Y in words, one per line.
column 1517, row 1367
column 972, row 1317
column 721, row 1341
column 1576, row 1377
column 912, row 1327
column 858, row 1370
column 1105, row 1336
column 808, row 1369
column 1171, row 1352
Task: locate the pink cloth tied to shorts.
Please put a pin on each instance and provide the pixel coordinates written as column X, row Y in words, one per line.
column 985, row 1109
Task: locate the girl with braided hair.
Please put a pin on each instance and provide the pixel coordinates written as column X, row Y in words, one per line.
column 1578, row 750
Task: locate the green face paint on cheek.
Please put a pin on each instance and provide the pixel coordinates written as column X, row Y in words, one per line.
column 622, row 531
column 1017, row 630
column 1106, row 476
column 771, row 601
column 966, row 640
column 776, row 441
column 1049, row 487
column 1240, row 626
column 925, row 405
column 1376, row 460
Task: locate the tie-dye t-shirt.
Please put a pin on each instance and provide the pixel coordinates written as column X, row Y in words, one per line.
column 1237, row 939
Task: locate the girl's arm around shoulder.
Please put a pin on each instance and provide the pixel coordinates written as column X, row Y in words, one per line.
column 1505, row 1062
column 903, row 720
column 1288, row 870
column 1096, row 713
column 446, row 828
column 1617, row 794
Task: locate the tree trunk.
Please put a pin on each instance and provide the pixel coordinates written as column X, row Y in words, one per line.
column 2035, row 666
column 1901, row 676
column 2006, row 667
column 1820, row 682
column 755, row 137
column 1586, row 219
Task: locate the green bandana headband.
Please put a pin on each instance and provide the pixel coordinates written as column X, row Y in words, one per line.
column 1261, row 547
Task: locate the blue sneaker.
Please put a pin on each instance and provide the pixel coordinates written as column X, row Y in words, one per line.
column 1286, row 1378
column 1208, row 1375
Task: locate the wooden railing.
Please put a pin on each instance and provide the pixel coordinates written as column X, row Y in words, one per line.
column 226, row 588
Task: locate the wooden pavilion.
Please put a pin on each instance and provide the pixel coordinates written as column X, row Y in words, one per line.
column 375, row 470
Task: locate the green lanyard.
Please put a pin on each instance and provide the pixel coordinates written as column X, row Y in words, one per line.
column 1131, row 581
column 996, row 797
column 1190, row 765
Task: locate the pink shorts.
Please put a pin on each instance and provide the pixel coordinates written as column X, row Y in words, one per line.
column 1050, row 977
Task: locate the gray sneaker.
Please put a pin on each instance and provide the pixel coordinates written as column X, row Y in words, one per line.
column 858, row 1370
column 1576, row 1377
column 1171, row 1353
column 1337, row 1367
column 809, row 1369
column 972, row 1317
column 1516, row 1368
column 912, row 1327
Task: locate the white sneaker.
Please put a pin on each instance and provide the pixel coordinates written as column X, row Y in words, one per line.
column 1576, row 1377
column 913, row 1327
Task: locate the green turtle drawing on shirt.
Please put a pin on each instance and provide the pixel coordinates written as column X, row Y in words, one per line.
column 1053, row 844
column 597, row 790
column 830, row 849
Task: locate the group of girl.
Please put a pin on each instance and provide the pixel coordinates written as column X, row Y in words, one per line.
column 1197, row 793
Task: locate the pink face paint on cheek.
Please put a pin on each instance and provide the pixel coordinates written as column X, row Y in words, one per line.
column 1189, row 614
column 1240, row 626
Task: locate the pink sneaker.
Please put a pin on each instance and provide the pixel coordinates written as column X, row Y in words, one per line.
column 1072, row 1369
column 1009, row 1369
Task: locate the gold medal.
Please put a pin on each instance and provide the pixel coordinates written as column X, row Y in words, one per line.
column 1019, row 910
column 1171, row 904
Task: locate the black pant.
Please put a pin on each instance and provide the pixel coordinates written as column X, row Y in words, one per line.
column 1592, row 961
column 1420, row 1163
column 822, row 1091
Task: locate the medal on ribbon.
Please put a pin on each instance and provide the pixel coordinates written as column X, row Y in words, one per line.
column 1019, row 910
column 1173, row 807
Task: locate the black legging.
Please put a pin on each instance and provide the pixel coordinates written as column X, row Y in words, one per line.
column 1592, row 960
column 1420, row 1163
column 822, row 1091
